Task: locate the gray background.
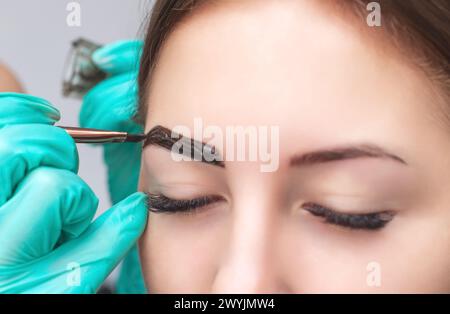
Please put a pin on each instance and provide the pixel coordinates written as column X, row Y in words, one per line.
column 34, row 42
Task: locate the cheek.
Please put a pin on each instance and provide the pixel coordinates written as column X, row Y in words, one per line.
column 321, row 258
column 418, row 258
column 179, row 254
column 411, row 255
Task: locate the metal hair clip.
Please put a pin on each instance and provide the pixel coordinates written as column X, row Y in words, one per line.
column 81, row 73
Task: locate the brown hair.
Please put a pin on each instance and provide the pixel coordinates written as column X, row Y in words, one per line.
column 421, row 27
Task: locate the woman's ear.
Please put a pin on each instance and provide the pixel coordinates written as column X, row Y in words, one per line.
column 8, row 81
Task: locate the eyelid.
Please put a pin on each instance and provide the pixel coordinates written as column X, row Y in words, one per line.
column 370, row 221
column 181, row 187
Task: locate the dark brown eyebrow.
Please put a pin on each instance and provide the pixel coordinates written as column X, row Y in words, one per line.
column 342, row 153
column 166, row 138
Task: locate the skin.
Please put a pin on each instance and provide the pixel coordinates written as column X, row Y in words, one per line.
column 325, row 83
column 8, row 81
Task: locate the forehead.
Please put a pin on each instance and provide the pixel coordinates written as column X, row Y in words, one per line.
column 286, row 63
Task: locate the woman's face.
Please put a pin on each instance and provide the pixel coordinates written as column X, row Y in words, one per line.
column 359, row 132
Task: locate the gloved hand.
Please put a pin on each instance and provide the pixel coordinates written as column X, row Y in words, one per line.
column 111, row 105
column 47, row 241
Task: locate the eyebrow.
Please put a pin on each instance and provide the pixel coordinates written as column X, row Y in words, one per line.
column 166, row 138
column 344, row 153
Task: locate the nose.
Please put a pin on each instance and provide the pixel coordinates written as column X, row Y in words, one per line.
column 249, row 262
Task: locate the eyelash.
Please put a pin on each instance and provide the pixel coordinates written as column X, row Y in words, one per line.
column 369, row 221
column 159, row 203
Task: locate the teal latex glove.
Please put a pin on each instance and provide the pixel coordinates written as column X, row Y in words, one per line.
column 111, row 105
column 48, row 243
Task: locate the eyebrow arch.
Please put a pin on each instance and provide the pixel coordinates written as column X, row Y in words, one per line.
column 166, row 138
column 343, row 153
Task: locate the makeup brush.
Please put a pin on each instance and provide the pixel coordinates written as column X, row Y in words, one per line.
column 84, row 135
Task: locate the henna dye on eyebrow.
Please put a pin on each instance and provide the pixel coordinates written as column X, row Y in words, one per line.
column 166, row 138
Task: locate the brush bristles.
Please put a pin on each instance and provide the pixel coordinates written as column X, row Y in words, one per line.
column 135, row 138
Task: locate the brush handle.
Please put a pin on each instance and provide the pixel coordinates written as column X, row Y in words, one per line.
column 85, row 135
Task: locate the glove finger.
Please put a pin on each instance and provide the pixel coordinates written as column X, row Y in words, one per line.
column 119, row 57
column 111, row 105
column 124, row 160
column 25, row 147
column 50, row 206
column 95, row 253
column 18, row 108
column 131, row 279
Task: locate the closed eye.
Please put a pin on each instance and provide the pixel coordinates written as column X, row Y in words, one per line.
column 369, row 221
column 160, row 203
